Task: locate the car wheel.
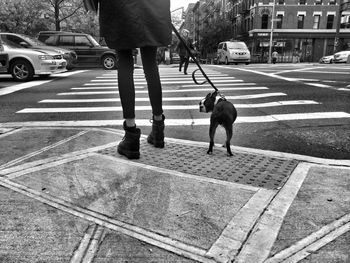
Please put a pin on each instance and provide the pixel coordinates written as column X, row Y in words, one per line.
column 21, row 70
column 247, row 63
column 226, row 61
column 109, row 62
column 331, row 61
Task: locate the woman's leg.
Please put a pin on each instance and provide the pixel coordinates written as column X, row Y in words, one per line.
column 126, row 85
column 187, row 60
column 150, row 68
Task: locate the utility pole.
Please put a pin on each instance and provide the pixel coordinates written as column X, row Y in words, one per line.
column 336, row 38
column 271, row 33
column 343, row 5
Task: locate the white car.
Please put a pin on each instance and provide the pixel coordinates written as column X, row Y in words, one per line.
column 342, row 56
column 23, row 64
column 327, row 59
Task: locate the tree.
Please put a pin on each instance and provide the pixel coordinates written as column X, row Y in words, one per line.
column 21, row 16
column 31, row 16
column 61, row 10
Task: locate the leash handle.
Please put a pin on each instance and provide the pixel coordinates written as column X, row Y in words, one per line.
column 194, row 59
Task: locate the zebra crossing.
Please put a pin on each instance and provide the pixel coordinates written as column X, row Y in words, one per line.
column 180, row 94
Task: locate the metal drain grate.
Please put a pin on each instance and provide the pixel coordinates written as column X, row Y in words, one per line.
column 244, row 168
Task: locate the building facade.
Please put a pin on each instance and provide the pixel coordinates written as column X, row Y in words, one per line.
column 301, row 29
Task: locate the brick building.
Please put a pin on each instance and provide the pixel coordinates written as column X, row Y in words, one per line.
column 303, row 28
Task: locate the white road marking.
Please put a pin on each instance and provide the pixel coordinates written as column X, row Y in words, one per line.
column 188, row 122
column 236, row 86
column 30, row 84
column 248, row 105
column 264, row 95
column 180, row 81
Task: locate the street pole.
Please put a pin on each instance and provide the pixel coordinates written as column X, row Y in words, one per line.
column 271, row 34
column 336, row 38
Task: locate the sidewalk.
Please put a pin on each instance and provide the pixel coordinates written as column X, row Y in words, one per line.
column 68, row 196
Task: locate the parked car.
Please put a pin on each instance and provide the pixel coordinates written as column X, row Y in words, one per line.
column 23, row 63
column 29, row 42
column 233, row 52
column 327, row 59
column 89, row 51
column 342, row 56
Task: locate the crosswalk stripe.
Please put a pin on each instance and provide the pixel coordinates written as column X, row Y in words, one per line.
column 185, row 122
column 149, row 108
column 182, row 90
column 248, row 105
column 252, row 96
column 180, row 81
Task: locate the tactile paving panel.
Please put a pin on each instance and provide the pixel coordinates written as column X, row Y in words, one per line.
column 244, row 168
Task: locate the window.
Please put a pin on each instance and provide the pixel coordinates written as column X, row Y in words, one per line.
column 66, row 41
column 82, row 41
column 279, row 21
column 264, row 21
column 318, row 2
column 330, row 21
column 332, row 2
column 301, row 21
column 281, row 2
column 302, row 2
column 317, row 19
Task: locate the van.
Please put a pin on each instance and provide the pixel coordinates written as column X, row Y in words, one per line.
column 233, row 52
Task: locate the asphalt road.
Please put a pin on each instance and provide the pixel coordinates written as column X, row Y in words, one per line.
column 296, row 108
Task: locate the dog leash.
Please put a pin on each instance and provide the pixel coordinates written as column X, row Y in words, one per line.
column 197, row 63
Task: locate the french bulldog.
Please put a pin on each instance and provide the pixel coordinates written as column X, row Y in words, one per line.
column 223, row 113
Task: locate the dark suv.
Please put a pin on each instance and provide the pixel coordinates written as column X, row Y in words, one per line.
column 89, row 51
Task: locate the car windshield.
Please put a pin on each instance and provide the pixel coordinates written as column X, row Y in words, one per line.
column 236, row 45
column 9, row 43
column 32, row 41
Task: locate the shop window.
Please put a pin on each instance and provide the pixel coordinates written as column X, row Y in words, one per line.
column 301, row 21
column 316, row 24
column 318, row 2
column 264, row 21
column 330, row 21
column 302, row 2
column 279, row 21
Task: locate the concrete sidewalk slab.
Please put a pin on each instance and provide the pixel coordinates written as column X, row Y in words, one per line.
column 175, row 204
column 320, row 208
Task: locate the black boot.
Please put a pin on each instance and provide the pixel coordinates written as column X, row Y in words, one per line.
column 130, row 145
column 157, row 134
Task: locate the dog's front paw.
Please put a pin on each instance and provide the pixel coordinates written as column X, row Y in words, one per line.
column 210, row 152
column 229, row 154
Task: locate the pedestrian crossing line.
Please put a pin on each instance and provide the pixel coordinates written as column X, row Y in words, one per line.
column 99, row 79
column 165, row 76
column 252, row 96
column 188, row 122
column 219, row 85
column 149, row 108
column 180, row 81
column 104, row 87
column 249, row 105
column 182, row 90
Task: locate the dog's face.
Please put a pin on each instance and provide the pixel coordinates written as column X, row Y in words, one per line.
column 207, row 104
